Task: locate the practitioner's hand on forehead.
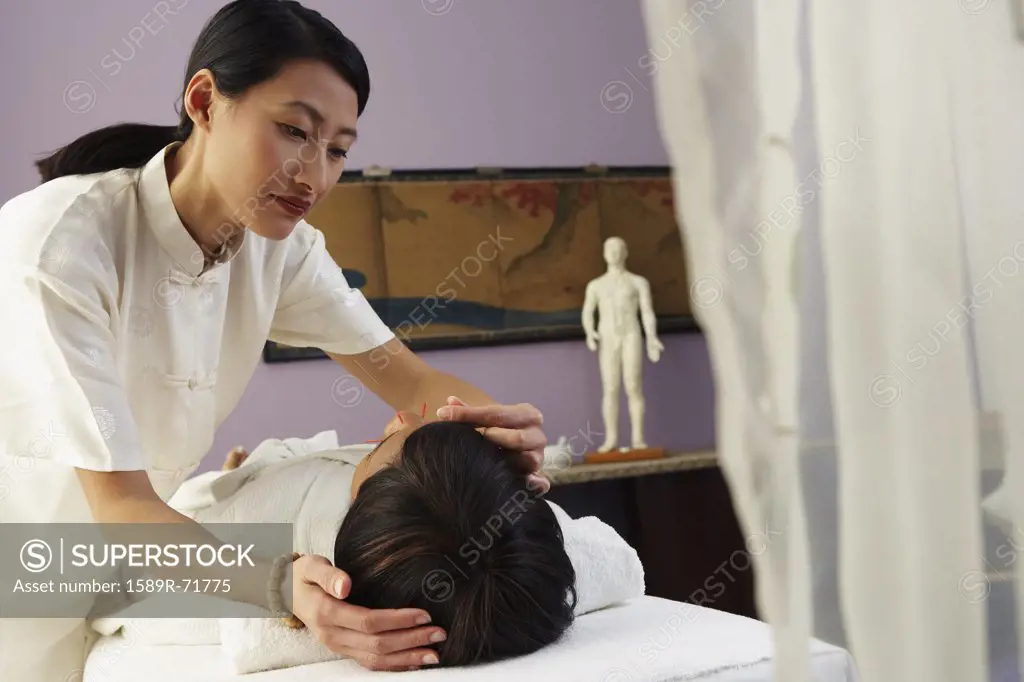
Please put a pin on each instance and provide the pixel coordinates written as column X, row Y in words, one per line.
column 516, row 428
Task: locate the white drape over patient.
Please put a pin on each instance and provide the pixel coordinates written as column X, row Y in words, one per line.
column 848, row 180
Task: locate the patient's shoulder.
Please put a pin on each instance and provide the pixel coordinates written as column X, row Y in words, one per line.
column 347, row 454
column 273, row 493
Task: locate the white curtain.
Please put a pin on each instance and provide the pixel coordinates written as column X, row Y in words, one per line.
column 850, row 186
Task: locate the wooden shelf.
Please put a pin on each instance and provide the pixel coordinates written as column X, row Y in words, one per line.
column 584, row 473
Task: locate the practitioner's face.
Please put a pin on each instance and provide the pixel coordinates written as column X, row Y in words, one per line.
column 385, row 454
column 275, row 146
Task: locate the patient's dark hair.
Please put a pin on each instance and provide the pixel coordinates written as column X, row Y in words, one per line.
column 453, row 528
column 244, row 44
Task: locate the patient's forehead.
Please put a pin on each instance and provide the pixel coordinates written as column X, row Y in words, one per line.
column 404, row 419
column 389, row 449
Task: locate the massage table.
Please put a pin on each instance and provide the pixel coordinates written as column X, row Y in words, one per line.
column 646, row 639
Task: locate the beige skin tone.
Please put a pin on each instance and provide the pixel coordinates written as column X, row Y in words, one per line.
column 390, row 448
column 244, row 149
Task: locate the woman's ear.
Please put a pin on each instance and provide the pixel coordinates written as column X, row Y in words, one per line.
column 200, row 98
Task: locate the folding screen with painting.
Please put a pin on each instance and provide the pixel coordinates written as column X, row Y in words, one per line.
column 464, row 259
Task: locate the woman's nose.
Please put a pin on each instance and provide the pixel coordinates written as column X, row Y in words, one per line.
column 314, row 172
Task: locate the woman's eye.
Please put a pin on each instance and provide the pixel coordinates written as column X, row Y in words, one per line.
column 293, row 131
column 300, row 134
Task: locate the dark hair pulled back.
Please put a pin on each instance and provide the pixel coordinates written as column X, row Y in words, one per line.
column 247, row 42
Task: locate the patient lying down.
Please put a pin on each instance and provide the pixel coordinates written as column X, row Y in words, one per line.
column 440, row 519
column 435, row 517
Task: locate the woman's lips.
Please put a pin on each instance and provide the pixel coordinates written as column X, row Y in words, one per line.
column 292, row 207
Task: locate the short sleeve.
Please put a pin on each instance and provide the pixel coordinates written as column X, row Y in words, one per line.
column 61, row 393
column 317, row 307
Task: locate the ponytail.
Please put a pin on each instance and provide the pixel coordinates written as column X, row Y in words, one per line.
column 126, row 145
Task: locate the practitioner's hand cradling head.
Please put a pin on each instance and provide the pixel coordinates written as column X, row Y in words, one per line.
column 378, row 639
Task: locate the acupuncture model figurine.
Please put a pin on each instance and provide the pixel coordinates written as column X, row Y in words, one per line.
column 622, row 300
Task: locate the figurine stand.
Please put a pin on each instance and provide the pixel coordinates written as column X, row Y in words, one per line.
column 626, row 455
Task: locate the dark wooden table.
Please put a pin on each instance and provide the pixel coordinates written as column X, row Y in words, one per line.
column 677, row 513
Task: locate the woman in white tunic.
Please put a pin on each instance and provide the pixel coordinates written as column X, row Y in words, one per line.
column 139, row 283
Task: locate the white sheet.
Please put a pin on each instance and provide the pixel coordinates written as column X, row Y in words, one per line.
column 647, row 640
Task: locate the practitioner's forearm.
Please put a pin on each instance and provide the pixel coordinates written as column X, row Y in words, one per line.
column 435, row 387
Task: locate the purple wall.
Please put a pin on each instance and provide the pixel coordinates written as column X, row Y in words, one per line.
column 456, row 83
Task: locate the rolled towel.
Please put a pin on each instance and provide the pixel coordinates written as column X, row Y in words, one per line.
column 254, row 644
column 608, row 570
column 149, row 631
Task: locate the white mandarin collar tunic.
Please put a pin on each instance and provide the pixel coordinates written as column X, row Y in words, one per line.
column 123, row 350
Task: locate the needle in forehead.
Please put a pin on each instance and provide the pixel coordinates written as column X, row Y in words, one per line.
column 423, row 413
column 380, row 440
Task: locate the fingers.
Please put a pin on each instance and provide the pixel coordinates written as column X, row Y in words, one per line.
column 513, row 427
column 375, row 621
column 384, row 643
column 529, row 462
column 405, row 660
column 537, row 484
column 530, row 439
column 317, row 570
column 504, row 416
column 535, row 459
column 379, row 639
